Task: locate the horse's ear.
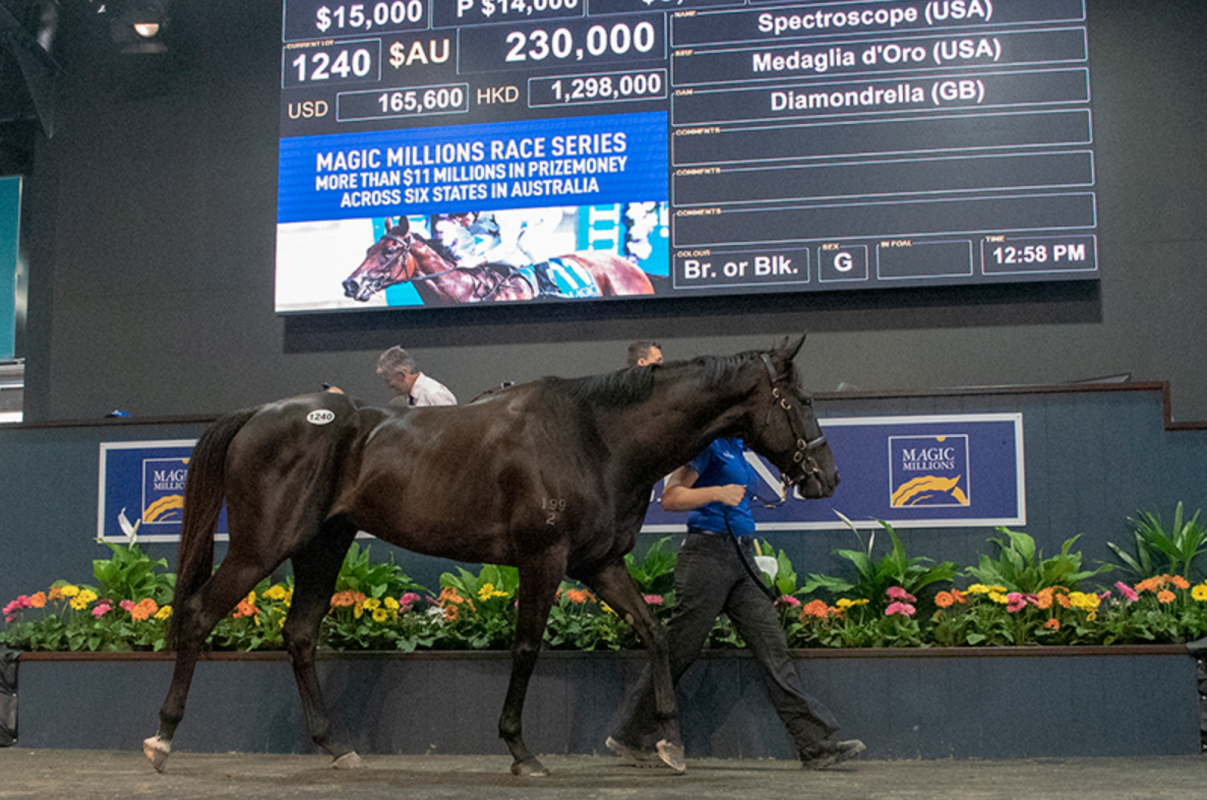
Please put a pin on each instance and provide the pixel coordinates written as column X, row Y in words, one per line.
column 788, row 348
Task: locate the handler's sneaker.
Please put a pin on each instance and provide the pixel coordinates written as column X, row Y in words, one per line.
column 826, row 753
column 633, row 757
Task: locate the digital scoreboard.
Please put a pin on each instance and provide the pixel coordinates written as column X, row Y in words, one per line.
column 436, row 152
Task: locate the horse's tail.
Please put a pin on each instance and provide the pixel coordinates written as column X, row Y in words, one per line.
column 204, row 493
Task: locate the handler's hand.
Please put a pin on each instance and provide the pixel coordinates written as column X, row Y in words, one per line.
column 730, row 494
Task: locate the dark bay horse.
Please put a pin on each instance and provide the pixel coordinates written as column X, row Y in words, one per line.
column 403, row 255
column 553, row 477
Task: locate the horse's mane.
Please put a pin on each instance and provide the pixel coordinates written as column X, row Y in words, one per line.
column 632, row 386
column 438, row 246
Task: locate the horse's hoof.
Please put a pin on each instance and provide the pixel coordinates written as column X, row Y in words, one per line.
column 157, row 749
column 672, row 755
column 529, row 769
column 349, row 760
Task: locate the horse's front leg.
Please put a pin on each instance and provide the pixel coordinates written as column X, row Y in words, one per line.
column 538, row 589
column 615, row 585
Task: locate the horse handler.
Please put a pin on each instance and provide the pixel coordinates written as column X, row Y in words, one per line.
column 714, row 573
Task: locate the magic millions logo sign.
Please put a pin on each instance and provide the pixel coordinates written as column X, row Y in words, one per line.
column 163, row 490
column 929, row 471
column 141, row 490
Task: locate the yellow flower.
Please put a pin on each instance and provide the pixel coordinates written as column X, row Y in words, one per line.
column 608, row 609
column 164, row 612
column 1199, row 592
column 78, row 604
column 1084, row 601
column 69, row 590
column 380, row 615
column 488, row 590
column 276, row 592
column 86, row 596
column 372, row 604
column 999, row 598
column 392, row 604
column 845, row 603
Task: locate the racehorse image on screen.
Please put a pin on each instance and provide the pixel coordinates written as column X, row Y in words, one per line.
column 489, row 257
column 552, row 477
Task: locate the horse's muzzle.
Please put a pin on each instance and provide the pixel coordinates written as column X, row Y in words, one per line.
column 357, row 291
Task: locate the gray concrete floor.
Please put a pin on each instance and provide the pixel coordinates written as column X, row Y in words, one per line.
column 101, row 774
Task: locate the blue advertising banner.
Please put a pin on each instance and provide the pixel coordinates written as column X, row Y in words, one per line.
column 141, row 489
column 912, row 472
column 941, row 471
column 614, row 158
column 10, row 224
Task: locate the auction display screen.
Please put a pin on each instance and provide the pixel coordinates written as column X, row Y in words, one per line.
column 440, row 152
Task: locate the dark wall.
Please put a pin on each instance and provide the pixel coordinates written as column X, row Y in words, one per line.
column 151, row 228
column 1093, row 458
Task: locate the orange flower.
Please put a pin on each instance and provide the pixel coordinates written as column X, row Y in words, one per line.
column 1052, row 624
column 1165, row 596
column 1043, row 600
column 814, row 608
column 346, row 599
column 147, row 607
column 958, row 596
column 244, row 609
column 56, row 593
column 578, row 595
column 1180, row 582
column 37, row 600
column 1063, row 599
column 451, row 612
column 944, row 600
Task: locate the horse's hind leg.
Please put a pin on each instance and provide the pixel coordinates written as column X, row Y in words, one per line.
column 194, row 620
column 538, row 588
column 315, row 568
column 613, row 583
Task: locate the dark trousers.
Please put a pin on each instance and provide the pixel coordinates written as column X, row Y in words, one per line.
column 710, row 578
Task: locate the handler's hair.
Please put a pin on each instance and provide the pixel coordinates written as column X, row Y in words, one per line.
column 640, row 349
column 396, row 360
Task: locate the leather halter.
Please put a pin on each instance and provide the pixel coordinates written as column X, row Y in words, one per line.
column 806, row 448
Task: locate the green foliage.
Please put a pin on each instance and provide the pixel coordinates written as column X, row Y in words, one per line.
column 873, row 577
column 655, row 572
column 1021, row 567
column 130, row 574
column 378, row 579
column 1157, row 549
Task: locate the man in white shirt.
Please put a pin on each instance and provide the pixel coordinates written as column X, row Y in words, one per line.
column 400, row 372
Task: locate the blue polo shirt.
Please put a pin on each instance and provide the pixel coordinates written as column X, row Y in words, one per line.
column 723, row 462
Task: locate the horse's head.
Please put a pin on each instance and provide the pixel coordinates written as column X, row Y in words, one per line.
column 785, row 427
column 386, row 262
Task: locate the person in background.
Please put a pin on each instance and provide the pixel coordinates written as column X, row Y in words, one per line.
column 400, row 372
column 714, row 573
column 644, row 352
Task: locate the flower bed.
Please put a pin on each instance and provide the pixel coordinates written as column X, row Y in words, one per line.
column 1018, row 598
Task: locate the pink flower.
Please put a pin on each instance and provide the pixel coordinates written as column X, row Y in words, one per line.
column 101, row 610
column 904, row 609
column 408, row 600
column 897, row 593
column 1015, row 601
column 126, row 605
column 653, row 599
column 1127, row 591
column 789, row 600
